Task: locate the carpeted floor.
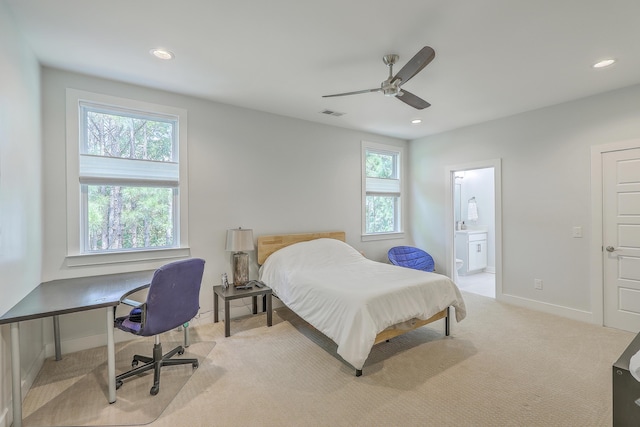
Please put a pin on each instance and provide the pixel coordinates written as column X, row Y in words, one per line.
column 74, row 390
column 502, row 366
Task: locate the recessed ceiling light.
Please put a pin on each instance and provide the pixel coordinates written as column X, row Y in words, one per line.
column 416, row 121
column 162, row 53
column 604, row 63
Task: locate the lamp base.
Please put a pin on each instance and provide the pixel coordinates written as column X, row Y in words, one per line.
column 240, row 268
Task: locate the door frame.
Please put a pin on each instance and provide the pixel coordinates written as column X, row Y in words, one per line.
column 496, row 164
column 597, row 218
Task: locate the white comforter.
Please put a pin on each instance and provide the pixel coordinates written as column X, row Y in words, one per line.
column 350, row 298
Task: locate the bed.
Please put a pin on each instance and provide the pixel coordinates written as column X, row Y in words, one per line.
column 354, row 301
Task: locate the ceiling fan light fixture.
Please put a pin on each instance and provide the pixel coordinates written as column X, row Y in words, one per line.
column 162, row 53
column 604, row 63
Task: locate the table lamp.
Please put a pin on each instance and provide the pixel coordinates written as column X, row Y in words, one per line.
column 240, row 240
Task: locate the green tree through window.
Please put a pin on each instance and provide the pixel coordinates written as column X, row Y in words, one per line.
column 130, row 194
column 382, row 197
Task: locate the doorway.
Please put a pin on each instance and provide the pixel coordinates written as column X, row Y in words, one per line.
column 621, row 237
column 474, row 227
column 615, row 248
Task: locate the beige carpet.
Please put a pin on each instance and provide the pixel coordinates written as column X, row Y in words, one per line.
column 74, row 390
column 502, row 366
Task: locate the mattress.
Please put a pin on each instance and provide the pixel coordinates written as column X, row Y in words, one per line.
column 350, row 298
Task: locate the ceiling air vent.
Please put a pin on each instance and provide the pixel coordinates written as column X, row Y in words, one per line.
column 332, row 113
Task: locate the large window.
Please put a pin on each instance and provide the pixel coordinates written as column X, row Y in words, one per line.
column 127, row 180
column 382, row 189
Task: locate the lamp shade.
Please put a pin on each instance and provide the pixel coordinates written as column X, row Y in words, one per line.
column 240, row 240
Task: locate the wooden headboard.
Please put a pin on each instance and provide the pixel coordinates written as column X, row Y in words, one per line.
column 269, row 244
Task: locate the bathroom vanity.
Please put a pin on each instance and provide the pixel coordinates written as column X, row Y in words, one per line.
column 471, row 248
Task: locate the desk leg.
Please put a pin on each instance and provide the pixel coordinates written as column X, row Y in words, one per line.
column 186, row 335
column 56, row 337
column 269, row 311
column 215, row 308
column 16, row 380
column 111, row 357
column 227, row 319
column 254, row 304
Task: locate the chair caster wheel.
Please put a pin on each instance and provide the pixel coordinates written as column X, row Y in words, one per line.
column 154, row 390
column 181, row 352
column 134, row 363
column 195, row 365
column 118, row 384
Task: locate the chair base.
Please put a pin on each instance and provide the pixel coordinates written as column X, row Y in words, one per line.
column 156, row 363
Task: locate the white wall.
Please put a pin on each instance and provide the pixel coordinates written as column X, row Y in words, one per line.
column 20, row 199
column 246, row 168
column 545, row 191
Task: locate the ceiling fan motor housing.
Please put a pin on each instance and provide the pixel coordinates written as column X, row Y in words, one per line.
column 390, row 89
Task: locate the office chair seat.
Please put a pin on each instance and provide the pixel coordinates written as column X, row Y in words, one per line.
column 408, row 256
column 173, row 300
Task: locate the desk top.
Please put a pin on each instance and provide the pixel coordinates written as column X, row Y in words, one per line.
column 78, row 294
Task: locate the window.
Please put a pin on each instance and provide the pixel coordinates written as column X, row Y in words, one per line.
column 382, row 189
column 126, row 185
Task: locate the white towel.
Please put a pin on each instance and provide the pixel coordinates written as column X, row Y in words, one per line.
column 472, row 214
column 634, row 366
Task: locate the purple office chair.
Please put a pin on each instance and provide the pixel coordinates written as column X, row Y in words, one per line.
column 173, row 300
column 408, row 256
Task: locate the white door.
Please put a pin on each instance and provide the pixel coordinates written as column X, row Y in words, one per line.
column 621, row 228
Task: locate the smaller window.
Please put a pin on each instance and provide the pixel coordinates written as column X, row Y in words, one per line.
column 382, row 189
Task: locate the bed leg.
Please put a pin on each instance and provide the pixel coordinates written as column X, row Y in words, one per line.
column 358, row 372
column 447, row 322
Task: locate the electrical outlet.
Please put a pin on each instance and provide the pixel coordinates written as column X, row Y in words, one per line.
column 577, row 232
column 537, row 283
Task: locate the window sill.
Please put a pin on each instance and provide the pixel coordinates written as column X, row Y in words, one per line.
column 382, row 236
column 123, row 257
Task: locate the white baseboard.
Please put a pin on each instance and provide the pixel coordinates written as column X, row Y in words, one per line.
column 244, row 308
column 26, row 382
column 4, row 422
column 241, row 308
column 570, row 313
column 79, row 344
column 31, row 373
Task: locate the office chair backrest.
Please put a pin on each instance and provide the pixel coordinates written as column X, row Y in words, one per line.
column 408, row 256
column 174, row 296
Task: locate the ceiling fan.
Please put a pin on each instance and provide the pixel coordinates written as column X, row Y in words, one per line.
column 391, row 86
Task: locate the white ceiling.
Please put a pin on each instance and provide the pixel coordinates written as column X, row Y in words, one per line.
column 494, row 58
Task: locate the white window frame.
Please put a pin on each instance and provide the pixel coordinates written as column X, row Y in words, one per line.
column 76, row 254
column 397, row 187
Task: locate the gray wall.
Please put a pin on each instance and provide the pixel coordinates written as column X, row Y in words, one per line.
column 20, row 198
column 545, row 191
column 246, row 168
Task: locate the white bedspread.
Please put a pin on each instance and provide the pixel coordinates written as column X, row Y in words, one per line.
column 350, row 298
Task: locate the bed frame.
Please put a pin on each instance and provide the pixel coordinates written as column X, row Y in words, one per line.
column 269, row 244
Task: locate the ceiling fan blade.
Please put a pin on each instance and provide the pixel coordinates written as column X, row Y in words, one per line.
column 413, row 67
column 353, row 93
column 412, row 100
